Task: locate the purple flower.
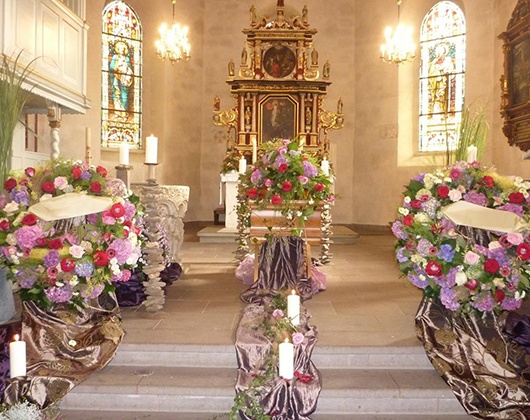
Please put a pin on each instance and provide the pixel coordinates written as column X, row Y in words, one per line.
column 419, row 177
column 448, row 299
column 278, row 313
column 51, row 259
column 27, row 236
column 514, row 208
column 449, row 280
column 400, row 255
column 123, row 276
column 59, row 295
column 256, row 176
column 92, row 218
column 446, row 253
column 86, row 175
column 476, row 198
column 418, row 281
column 423, row 247
column 309, row 169
column 130, row 210
column 397, row 230
column 92, row 293
column 24, row 281
column 298, row 338
column 280, row 159
column 511, row 304
column 84, row 269
column 20, row 196
column 484, row 302
column 123, row 249
column 431, row 207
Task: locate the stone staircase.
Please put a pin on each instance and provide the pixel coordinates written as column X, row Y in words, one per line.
column 196, row 382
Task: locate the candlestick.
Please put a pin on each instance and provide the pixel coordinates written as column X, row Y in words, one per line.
column 124, row 153
column 293, row 308
column 17, row 357
column 286, row 360
column 471, row 154
column 242, row 165
column 254, row 150
column 151, row 178
column 324, row 165
column 151, row 149
column 88, row 140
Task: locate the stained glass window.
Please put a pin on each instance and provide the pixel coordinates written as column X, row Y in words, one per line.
column 121, row 109
column 442, row 82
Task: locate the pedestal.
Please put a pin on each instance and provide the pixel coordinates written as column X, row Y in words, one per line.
column 231, row 181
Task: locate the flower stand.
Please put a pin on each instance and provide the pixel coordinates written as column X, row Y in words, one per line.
column 488, row 372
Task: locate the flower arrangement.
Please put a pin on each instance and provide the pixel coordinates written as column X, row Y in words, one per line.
column 283, row 176
column 230, row 162
column 466, row 268
column 67, row 233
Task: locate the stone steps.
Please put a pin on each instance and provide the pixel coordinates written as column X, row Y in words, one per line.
column 197, row 381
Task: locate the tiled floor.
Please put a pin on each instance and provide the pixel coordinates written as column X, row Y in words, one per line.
column 366, row 302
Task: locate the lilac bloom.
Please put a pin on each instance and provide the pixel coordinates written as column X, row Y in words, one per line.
column 448, row 299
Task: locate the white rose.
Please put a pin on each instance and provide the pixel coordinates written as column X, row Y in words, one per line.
column 11, row 207
column 455, row 195
column 460, row 278
column 407, row 200
column 498, row 282
column 77, row 251
column 403, row 211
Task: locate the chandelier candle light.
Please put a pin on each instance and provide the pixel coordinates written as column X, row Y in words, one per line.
column 17, row 357
column 173, row 43
column 398, row 47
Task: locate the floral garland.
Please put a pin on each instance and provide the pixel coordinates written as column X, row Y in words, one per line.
column 67, row 260
column 283, row 176
column 230, row 162
column 466, row 268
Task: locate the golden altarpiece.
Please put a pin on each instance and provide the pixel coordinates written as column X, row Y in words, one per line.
column 279, row 89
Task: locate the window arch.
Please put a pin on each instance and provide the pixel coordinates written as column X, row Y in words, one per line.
column 442, row 81
column 121, row 79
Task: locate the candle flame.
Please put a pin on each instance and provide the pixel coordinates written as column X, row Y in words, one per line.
column 16, row 337
column 293, row 292
column 286, row 340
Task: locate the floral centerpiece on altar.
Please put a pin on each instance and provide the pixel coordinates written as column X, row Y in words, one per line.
column 67, row 232
column 286, row 178
column 468, row 267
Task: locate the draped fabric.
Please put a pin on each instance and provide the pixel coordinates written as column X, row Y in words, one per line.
column 487, row 371
column 281, row 266
column 294, row 399
column 64, row 347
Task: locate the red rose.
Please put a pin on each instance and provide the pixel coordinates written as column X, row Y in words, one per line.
column 516, row 197
column 443, row 191
column 95, row 187
column 102, row 171
column 252, row 193
column 319, row 187
column 499, row 295
column 491, row 265
column 76, row 172
column 10, row 183
column 41, row 242
column 287, row 186
column 471, row 284
column 48, row 187
column 29, row 171
column 276, row 199
column 433, row 269
column 408, row 219
column 4, row 225
column 29, row 219
column 100, row 258
column 283, row 167
column 56, row 243
column 523, row 251
column 117, row 210
column 487, row 181
column 415, row 204
column 67, row 264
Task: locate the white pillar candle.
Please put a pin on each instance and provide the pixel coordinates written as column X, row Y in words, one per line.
column 242, row 165
column 293, row 308
column 254, row 150
column 286, row 360
column 17, row 357
column 324, row 165
column 124, row 153
column 471, row 154
column 151, row 149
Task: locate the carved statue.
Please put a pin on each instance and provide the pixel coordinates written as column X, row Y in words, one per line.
column 308, row 116
column 304, row 15
column 339, row 106
column 253, row 16
column 231, row 68
column 326, row 70
column 314, row 57
column 248, row 115
column 216, row 103
column 244, row 56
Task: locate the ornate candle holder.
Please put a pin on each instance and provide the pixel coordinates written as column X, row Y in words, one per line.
column 151, row 178
column 122, row 172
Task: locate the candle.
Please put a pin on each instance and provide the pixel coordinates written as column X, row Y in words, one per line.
column 471, row 154
column 220, row 193
column 17, row 357
column 286, row 360
column 242, row 165
column 124, row 153
column 254, row 150
column 293, row 308
column 87, row 137
column 151, row 149
column 324, row 165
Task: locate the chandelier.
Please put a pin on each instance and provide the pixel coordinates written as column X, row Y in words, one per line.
column 173, row 43
column 398, row 46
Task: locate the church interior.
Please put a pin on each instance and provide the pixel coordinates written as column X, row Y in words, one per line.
column 177, row 358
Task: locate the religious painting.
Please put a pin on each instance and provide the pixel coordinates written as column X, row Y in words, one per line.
column 279, row 61
column 278, row 118
column 520, row 69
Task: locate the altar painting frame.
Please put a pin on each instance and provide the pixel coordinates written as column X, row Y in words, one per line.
column 278, row 116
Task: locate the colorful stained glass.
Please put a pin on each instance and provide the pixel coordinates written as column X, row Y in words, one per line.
column 442, row 82
column 121, row 109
